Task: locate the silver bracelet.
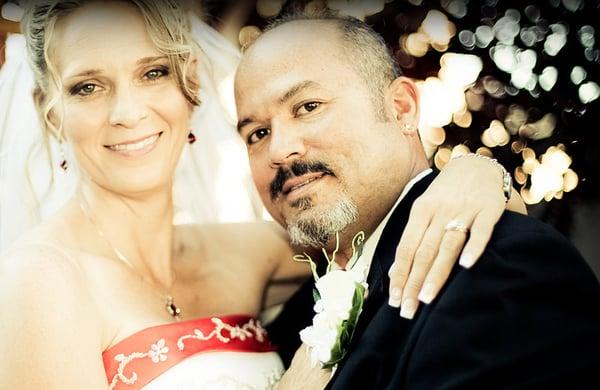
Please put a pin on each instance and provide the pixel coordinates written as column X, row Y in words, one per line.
column 506, row 177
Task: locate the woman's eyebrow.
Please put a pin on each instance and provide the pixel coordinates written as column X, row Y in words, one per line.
column 149, row 60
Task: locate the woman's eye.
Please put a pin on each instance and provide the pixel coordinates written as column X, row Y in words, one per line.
column 155, row 74
column 308, row 107
column 83, row 89
column 258, row 135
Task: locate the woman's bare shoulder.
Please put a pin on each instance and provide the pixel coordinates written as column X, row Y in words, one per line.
column 42, row 263
column 53, row 311
column 33, row 265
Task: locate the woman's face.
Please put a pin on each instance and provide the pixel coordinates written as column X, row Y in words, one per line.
column 123, row 113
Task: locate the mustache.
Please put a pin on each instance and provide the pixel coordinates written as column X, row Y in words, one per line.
column 297, row 168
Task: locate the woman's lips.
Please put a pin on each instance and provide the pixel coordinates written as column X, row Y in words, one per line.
column 136, row 147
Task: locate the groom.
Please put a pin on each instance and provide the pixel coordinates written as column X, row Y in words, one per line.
column 331, row 134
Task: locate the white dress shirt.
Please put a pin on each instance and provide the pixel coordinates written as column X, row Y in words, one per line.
column 363, row 264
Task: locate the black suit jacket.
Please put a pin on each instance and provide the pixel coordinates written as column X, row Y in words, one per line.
column 527, row 315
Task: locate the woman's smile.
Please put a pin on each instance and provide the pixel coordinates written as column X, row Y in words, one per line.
column 137, row 147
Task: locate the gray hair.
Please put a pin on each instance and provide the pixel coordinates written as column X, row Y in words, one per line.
column 315, row 228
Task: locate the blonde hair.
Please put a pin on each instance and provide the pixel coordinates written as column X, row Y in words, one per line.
column 167, row 25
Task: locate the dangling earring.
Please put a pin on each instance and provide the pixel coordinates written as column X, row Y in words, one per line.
column 191, row 137
column 63, row 160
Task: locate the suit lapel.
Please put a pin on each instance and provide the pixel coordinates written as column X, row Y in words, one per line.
column 386, row 247
column 382, row 260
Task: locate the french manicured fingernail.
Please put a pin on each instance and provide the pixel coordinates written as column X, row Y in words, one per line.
column 466, row 260
column 395, row 297
column 391, row 270
column 427, row 293
column 408, row 309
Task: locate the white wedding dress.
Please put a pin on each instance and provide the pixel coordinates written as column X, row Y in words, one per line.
column 212, row 182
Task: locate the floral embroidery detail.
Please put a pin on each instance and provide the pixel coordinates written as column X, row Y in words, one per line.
column 157, row 353
column 250, row 329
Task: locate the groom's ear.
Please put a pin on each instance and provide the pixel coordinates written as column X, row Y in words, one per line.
column 403, row 100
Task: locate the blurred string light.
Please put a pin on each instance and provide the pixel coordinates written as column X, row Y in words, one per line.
column 556, row 40
column 572, row 5
column 358, row 8
column 495, row 135
column 269, row 8
column 550, row 176
column 586, row 36
column 456, row 8
column 588, row 92
column 548, row 78
column 435, row 32
column 540, row 129
column 521, row 62
column 578, row 74
column 247, row 35
column 443, row 99
column 549, row 179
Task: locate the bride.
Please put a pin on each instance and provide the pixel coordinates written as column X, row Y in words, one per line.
column 108, row 292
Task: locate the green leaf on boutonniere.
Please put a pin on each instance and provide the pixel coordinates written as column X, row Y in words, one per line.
column 316, row 295
column 346, row 329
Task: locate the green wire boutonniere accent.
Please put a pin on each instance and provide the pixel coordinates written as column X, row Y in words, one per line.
column 339, row 297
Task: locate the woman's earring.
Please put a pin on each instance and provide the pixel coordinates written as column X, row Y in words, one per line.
column 63, row 160
column 191, row 137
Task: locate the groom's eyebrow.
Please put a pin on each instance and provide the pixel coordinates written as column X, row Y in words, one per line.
column 295, row 90
column 286, row 96
column 244, row 122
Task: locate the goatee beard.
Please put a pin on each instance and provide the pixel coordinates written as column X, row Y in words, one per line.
column 315, row 228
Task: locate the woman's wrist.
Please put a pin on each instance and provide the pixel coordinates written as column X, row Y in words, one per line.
column 506, row 177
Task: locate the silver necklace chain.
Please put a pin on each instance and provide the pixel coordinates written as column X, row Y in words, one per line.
column 170, row 306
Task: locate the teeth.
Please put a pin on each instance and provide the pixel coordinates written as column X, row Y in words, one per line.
column 303, row 184
column 136, row 146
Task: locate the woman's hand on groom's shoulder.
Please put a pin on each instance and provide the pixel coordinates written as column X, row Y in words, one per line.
column 451, row 221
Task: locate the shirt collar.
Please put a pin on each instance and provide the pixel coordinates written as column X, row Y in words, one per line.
column 363, row 264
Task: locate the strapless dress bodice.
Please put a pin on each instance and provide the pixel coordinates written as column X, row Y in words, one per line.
column 226, row 352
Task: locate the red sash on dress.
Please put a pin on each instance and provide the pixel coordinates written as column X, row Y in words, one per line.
column 138, row 359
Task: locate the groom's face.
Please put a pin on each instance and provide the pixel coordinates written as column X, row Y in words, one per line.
column 315, row 143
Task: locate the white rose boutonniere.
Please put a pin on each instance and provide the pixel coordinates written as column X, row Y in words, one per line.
column 339, row 297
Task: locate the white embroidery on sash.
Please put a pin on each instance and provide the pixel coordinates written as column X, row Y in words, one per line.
column 250, row 329
column 157, row 353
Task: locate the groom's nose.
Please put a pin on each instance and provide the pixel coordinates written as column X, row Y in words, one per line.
column 286, row 144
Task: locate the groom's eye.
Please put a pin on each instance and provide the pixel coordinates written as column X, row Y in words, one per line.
column 257, row 135
column 307, row 107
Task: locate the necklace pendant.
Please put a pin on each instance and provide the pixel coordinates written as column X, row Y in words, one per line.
column 171, row 308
